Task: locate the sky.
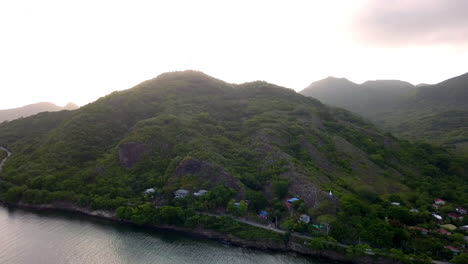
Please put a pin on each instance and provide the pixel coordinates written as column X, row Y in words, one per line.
column 77, row 51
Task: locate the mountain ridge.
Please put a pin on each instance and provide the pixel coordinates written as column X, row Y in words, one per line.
column 414, row 112
column 32, row 109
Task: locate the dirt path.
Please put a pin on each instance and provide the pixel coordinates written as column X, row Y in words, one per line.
column 6, row 158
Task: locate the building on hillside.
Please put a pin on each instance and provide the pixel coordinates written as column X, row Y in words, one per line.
column 423, row 231
column 454, row 250
column 181, row 193
column 150, row 191
column 437, row 216
column 263, row 214
column 455, row 216
column 304, row 218
column 395, row 204
column 444, row 232
column 461, row 211
column 464, row 228
column 449, row 227
column 439, row 202
column 200, row 193
column 292, row 200
column 414, row 210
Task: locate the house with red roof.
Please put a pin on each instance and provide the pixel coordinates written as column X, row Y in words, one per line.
column 444, row 232
column 423, row 231
column 454, row 250
column 455, row 216
column 439, row 201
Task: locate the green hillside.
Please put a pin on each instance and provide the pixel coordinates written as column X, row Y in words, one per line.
column 432, row 113
column 436, row 113
column 255, row 141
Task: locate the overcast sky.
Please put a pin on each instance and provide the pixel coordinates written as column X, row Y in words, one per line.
column 61, row 51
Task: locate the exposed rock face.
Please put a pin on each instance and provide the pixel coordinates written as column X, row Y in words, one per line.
column 131, row 153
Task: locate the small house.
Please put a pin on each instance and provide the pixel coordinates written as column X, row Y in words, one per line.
column 150, row 191
column 236, row 204
column 181, row 193
column 449, row 227
column 465, row 227
column 444, row 232
column 455, row 216
column 292, row 200
column 395, row 204
column 263, row 214
column 437, row 216
column 439, row 202
column 414, row 210
column 200, row 193
column 461, row 211
column 423, row 231
column 304, row 218
column 454, row 250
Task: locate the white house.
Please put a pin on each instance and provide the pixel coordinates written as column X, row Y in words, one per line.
column 437, row 216
column 200, row 193
column 150, row 191
column 305, row 219
column 395, row 204
column 180, row 193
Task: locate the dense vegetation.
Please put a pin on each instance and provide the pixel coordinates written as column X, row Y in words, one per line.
column 254, row 142
column 432, row 113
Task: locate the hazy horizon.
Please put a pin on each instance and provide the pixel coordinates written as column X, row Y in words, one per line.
column 77, row 52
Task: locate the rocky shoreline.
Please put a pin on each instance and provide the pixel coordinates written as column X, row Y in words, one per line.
column 293, row 245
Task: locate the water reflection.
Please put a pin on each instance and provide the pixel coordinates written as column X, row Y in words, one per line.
column 51, row 237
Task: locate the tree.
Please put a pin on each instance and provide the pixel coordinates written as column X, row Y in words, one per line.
column 458, row 238
column 15, row 193
column 460, row 259
column 326, row 219
column 257, row 200
column 280, row 186
column 231, row 208
column 125, row 212
column 242, row 208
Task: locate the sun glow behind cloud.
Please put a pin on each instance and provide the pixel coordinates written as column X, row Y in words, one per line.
column 62, row 51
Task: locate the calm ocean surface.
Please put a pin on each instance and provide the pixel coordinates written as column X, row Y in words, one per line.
column 50, row 238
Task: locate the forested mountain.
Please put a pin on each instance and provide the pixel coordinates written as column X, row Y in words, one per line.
column 435, row 113
column 254, row 141
column 32, row 109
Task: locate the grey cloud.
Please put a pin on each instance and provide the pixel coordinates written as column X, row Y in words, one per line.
column 413, row 22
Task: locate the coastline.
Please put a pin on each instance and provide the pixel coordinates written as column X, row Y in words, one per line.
column 293, row 245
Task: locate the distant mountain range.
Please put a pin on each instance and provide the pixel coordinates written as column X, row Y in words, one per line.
column 32, row 109
column 437, row 113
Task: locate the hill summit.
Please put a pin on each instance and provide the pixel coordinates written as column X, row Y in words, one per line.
column 32, row 109
column 434, row 113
